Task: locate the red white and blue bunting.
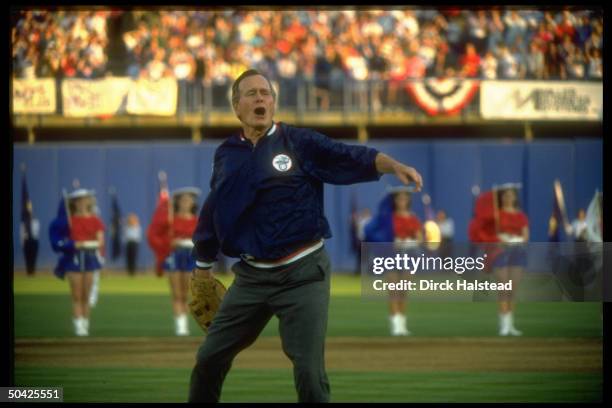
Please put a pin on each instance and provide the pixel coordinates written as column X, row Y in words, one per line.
column 442, row 96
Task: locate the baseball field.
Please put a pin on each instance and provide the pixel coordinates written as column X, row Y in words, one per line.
column 454, row 354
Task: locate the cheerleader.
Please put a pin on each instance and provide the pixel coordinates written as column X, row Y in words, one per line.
column 395, row 222
column 513, row 230
column 78, row 234
column 180, row 262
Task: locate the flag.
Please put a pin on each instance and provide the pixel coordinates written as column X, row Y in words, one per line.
column 29, row 228
column 380, row 228
column 558, row 217
column 26, row 209
column 159, row 232
column 554, row 232
column 482, row 225
column 482, row 228
column 59, row 236
column 594, row 219
column 115, row 227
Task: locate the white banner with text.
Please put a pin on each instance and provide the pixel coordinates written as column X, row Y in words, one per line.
column 34, row 96
column 541, row 100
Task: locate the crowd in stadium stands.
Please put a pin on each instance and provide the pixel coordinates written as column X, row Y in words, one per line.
column 321, row 46
column 62, row 44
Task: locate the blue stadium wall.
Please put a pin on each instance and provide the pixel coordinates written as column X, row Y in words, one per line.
column 449, row 170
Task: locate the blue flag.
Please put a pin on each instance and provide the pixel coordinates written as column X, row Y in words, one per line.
column 29, row 228
column 380, row 228
column 115, row 228
column 26, row 209
column 59, row 236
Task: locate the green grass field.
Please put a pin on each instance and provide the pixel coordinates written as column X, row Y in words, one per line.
column 140, row 308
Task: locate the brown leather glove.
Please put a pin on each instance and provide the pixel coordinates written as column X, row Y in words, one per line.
column 206, row 296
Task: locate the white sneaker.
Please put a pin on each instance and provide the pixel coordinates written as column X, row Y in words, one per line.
column 511, row 329
column 80, row 327
column 398, row 325
column 181, row 326
column 504, row 324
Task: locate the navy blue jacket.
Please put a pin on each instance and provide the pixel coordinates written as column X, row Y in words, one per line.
column 266, row 201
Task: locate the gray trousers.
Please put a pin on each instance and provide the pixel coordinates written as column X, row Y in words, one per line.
column 298, row 294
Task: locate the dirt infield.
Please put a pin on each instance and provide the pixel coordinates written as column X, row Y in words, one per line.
column 342, row 353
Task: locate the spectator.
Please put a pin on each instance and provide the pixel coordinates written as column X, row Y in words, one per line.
column 489, row 66
column 554, row 68
column 323, row 68
column 415, row 67
column 508, row 65
column 477, row 25
column 470, row 62
column 454, row 37
column 520, row 57
column 357, row 68
column 533, row 18
column 579, row 226
column 398, row 75
column 447, row 232
column 583, row 30
column 29, row 63
column 575, row 65
column 566, row 48
column 535, row 62
column 595, row 70
column 182, row 63
column 287, row 68
column 543, row 36
column 132, row 237
column 69, row 64
column 135, row 61
column 496, row 31
column 377, row 66
column 515, row 26
column 565, row 25
column 50, row 66
column 157, row 67
column 407, row 25
column 594, row 42
column 427, row 50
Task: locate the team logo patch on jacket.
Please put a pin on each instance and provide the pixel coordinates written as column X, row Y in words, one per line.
column 281, row 162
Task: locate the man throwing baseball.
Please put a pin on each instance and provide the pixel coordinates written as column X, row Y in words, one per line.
column 266, row 208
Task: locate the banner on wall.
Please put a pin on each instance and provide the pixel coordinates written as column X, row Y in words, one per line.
column 541, row 100
column 100, row 97
column 442, row 96
column 147, row 97
column 34, row 96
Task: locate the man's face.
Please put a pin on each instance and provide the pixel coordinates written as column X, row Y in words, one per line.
column 255, row 107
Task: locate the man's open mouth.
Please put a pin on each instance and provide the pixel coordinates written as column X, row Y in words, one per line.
column 260, row 111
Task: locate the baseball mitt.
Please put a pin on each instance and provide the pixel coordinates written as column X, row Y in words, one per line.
column 206, row 296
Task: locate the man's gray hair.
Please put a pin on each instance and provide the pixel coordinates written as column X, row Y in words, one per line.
column 246, row 74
